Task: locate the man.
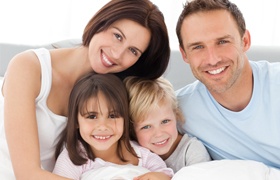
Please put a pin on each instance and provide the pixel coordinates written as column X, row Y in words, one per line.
column 234, row 108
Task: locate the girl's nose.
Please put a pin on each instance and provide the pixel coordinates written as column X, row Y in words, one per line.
column 102, row 125
column 157, row 132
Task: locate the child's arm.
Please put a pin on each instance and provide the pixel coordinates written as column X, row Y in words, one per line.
column 153, row 162
column 64, row 166
column 196, row 153
column 153, row 176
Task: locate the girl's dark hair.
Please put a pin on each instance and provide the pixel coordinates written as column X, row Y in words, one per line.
column 154, row 61
column 209, row 5
column 85, row 89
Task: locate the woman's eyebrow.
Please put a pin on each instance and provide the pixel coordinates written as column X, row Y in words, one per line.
column 125, row 38
column 120, row 31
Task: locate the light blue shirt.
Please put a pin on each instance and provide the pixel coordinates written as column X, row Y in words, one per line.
column 253, row 133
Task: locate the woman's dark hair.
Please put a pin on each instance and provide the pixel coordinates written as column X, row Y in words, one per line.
column 209, row 5
column 154, row 61
column 84, row 90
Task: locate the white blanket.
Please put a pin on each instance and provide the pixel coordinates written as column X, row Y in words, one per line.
column 228, row 170
column 116, row 172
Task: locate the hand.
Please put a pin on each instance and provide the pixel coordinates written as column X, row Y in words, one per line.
column 153, row 176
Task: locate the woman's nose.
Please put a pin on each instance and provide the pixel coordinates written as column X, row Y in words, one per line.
column 117, row 51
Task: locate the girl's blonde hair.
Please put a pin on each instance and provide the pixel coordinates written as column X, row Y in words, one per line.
column 146, row 95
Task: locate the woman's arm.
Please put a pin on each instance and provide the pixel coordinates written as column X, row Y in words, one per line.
column 22, row 86
column 153, row 176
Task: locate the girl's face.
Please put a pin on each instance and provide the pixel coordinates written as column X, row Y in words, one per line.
column 118, row 47
column 99, row 126
column 158, row 131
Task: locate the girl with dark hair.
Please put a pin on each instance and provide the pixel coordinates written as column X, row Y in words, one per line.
column 124, row 37
column 97, row 132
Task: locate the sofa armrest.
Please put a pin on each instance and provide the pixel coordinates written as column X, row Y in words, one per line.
column 8, row 51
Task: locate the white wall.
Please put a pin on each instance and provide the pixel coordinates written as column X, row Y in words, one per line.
column 41, row 22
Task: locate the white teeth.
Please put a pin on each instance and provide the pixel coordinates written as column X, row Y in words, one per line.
column 102, row 137
column 159, row 143
column 216, row 71
column 106, row 60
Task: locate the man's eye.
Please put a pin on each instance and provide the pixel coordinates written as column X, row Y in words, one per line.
column 119, row 37
column 223, row 42
column 198, row 47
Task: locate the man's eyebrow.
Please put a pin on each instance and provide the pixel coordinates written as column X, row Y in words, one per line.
column 193, row 44
column 125, row 38
column 199, row 43
column 225, row 37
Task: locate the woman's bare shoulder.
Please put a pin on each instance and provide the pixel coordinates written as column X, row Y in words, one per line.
column 25, row 61
column 23, row 71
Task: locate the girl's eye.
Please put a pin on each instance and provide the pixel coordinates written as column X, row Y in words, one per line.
column 134, row 51
column 146, row 127
column 119, row 37
column 113, row 116
column 91, row 116
column 165, row 121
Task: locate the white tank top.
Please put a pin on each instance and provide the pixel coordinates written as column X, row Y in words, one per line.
column 50, row 125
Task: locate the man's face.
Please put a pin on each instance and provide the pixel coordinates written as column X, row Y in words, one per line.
column 214, row 49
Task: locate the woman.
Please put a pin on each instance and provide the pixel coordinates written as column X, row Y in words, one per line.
column 124, row 37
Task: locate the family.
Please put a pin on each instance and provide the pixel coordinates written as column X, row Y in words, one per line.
column 104, row 107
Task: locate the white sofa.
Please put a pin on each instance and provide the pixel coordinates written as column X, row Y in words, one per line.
column 178, row 71
column 180, row 74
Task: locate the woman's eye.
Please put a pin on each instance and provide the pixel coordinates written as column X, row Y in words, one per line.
column 134, row 51
column 119, row 37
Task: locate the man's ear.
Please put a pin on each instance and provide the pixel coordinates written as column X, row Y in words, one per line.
column 184, row 55
column 246, row 40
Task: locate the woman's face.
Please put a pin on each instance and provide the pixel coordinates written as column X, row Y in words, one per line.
column 118, row 47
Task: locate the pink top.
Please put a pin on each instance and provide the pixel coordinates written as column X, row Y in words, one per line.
column 147, row 159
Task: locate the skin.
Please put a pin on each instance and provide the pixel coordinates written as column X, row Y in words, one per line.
column 119, row 47
column 153, row 176
column 22, row 86
column 215, row 51
column 158, row 131
column 102, row 129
